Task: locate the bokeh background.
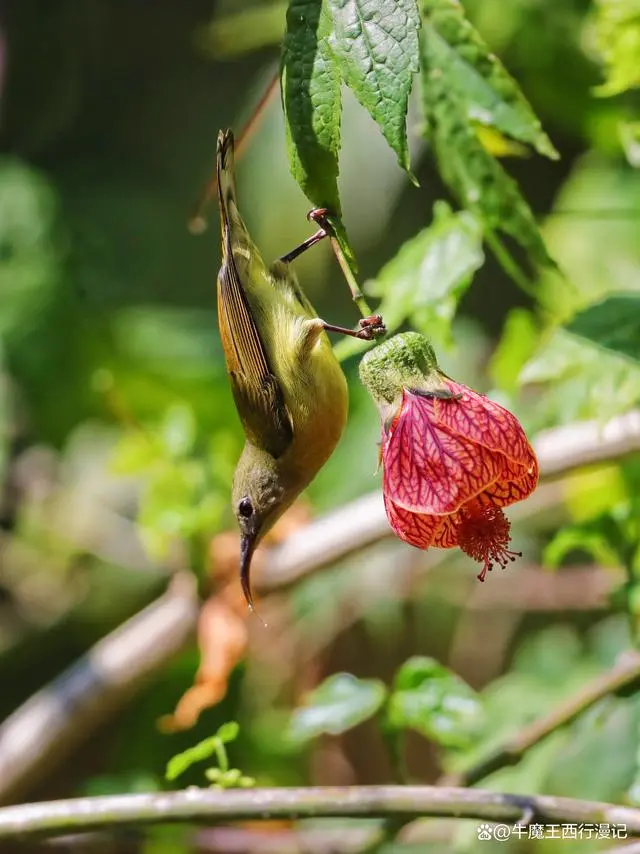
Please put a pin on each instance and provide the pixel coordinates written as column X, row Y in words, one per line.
column 118, row 435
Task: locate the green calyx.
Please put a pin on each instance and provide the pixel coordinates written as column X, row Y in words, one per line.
column 406, row 360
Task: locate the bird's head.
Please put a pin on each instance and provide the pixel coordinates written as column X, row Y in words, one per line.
column 260, row 496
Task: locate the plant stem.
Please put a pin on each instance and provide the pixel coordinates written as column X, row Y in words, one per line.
column 356, row 294
column 509, row 265
column 206, row 805
column 394, row 740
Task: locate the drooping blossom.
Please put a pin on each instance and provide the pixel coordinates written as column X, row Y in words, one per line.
column 452, row 458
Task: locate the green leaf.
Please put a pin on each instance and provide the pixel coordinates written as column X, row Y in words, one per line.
column 435, row 702
column 427, row 278
column 584, row 381
column 618, row 40
column 205, row 749
column 604, row 737
column 178, row 764
column 375, row 43
column 228, row 732
column 485, row 90
column 474, row 177
column 613, row 324
column 311, row 102
column 341, row 702
column 582, row 538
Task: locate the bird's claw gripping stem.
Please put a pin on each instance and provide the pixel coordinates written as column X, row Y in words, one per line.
column 321, row 217
column 370, row 327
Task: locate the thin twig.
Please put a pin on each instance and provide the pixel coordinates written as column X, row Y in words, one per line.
column 509, row 265
column 624, row 677
column 208, row 805
column 54, row 719
column 197, row 220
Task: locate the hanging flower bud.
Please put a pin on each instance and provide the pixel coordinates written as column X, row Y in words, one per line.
column 452, row 458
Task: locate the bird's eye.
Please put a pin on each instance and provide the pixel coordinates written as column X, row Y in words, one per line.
column 245, row 508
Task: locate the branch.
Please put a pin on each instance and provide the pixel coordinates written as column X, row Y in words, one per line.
column 624, row 677
column 54, row 719
column 208, row 805
column 363, row 522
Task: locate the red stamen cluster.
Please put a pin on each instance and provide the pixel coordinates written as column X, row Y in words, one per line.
column 483, row 534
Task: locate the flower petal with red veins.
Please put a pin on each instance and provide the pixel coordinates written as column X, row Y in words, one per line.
column 509, row 489
column 430, row 469
column 447, row 534
column 484, row 422
column 414, row 528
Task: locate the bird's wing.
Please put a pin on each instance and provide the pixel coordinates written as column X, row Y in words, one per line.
column 257, row 392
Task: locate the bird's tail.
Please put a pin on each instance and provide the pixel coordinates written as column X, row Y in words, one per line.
column 225, row 172
column 234, row 231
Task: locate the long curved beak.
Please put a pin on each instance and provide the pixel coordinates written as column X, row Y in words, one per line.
column 247, row 548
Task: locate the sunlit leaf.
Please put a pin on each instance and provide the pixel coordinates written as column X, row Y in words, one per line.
column 485, row 92
column 429, row 698
column 375, row 43
column 618, row 39
column 463, row 85
column 498, row 144
column 337, row 705
column 476, row 179
column 583, row 380
column 426, row 279
column 613, row 324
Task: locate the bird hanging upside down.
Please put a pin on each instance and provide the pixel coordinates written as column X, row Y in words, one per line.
column 288, row 386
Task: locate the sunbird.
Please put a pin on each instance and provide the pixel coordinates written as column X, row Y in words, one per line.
column 288, row 386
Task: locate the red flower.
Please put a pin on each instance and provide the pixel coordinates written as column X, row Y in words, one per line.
column 452, row 460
